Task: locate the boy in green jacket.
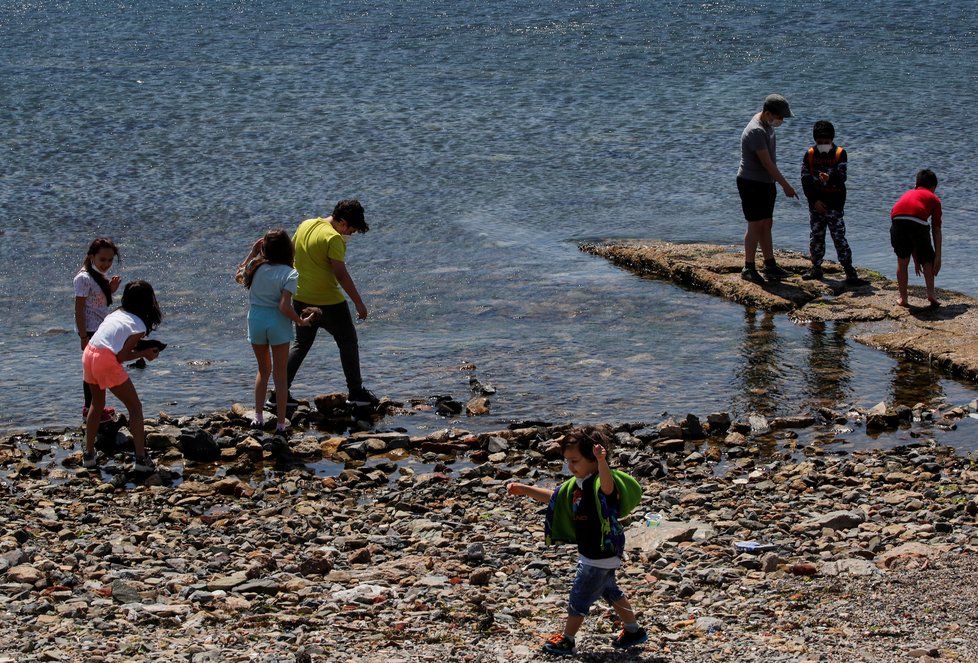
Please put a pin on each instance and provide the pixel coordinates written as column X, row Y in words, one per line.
column 585, row 510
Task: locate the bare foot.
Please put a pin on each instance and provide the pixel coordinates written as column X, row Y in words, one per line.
column 933, row 304
column 903, row 303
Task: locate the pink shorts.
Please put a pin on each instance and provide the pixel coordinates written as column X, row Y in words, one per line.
column 101, row 368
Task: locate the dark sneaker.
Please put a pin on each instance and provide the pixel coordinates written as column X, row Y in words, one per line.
column 775, row 272
column 812, row 274
column 559, row 644
column 362, row 397
column 626, row 639
column 257, row 425
column 144, row 464
column 852, row 278
column 751, row 275
column 107, row 414
column 89, row 460
column 272, row 402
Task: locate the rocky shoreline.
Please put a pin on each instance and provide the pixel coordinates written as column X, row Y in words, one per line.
column 377, row 545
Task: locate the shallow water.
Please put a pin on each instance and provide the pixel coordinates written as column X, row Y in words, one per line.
column 485, row 141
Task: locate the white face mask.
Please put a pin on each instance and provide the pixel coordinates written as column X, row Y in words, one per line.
column 824, row 149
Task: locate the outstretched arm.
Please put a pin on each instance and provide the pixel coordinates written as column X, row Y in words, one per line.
column 534, row 492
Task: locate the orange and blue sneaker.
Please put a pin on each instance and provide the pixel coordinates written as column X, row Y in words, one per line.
column 628, row 639
column 559, row 644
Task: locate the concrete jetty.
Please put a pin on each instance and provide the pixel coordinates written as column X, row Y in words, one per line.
column 947, row 336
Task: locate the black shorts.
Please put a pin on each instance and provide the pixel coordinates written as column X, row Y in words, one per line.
column 911, row 238
column 757, row 199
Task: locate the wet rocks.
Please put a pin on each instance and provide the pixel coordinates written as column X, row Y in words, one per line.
column 412, row 550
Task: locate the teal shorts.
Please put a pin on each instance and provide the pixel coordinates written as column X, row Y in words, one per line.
column 267, row 326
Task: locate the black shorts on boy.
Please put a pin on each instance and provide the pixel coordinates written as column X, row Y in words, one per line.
column 757, row 198
column 911, row 238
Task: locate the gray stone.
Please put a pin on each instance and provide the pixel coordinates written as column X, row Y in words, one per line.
column 266, row 586
column 837, row 520
column 850, row 567
column 124, row 592
column 495, row 444
column 227, row 582
column 640, row 537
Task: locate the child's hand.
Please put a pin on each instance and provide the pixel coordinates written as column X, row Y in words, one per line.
column 151, row 353
column 824, row 177
column 114, row 283
column 600, row 453
column 256, row 247
column 515, row 489
column 307, row 319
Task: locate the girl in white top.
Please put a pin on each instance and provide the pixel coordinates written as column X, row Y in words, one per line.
column 113, row 344
column 93, row 295
column 268, row 274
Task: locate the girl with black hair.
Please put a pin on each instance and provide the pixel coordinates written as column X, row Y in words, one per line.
column 93, row 295
column 113, row 344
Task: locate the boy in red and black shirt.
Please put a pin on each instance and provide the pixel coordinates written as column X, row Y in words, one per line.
column 823, row 177
column 910, row 234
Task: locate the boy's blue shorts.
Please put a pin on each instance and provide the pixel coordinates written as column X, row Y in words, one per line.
column 591, row 584
column 267, row 326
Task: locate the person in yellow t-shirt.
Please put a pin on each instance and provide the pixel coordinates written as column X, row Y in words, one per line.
column 320, row 259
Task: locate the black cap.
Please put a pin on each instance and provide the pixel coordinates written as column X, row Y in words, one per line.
column 777, row 104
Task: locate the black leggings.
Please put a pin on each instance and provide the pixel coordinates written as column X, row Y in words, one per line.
column 336, row 320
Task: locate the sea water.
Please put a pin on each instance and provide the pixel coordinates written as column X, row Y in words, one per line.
column 486, row 141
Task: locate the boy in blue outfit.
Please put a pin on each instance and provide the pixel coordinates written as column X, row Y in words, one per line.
column 585, row 510
column 823, row 177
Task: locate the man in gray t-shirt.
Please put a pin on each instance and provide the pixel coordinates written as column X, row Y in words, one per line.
column 756, row 177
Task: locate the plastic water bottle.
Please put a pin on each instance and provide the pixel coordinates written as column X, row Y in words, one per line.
column 653, row 519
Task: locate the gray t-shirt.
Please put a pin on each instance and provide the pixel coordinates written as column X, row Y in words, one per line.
column 756, row 136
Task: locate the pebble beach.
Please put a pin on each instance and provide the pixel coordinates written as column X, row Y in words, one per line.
column 769, row 548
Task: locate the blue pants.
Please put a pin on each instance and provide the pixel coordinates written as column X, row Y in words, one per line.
column 591, row 584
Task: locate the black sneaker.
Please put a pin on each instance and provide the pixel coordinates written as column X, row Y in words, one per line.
column 812, row 274
column 89, row 460
column 626, row 639
column 362, row 397
column 559, row 644
column 751, row 275
column 272, row 402
column 775, row 272
column 144, row 464
column 852, row 278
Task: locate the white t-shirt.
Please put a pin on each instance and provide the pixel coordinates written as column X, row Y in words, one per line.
column 117, row 327
column 95, row 307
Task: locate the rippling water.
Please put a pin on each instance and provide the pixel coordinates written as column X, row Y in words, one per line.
column 485, row 140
